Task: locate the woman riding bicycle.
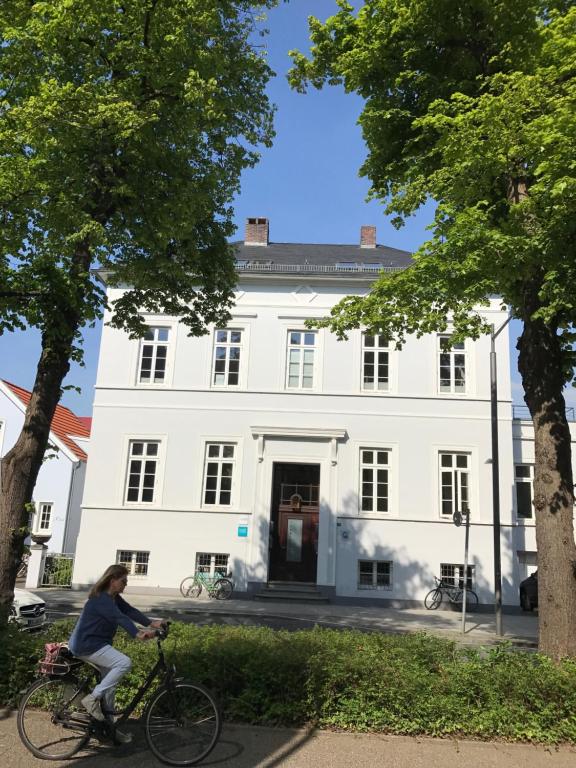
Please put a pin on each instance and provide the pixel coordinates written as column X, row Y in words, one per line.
column 92, row 637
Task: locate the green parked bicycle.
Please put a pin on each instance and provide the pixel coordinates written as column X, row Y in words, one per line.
column 218, row 586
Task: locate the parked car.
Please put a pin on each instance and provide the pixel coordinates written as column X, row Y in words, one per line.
column 529, row 592
column 28, row 610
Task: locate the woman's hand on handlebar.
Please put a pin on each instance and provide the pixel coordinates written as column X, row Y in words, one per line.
column 146, row 634
column 158, row 623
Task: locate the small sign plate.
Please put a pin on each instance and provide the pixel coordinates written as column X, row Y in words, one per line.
column 242, row 531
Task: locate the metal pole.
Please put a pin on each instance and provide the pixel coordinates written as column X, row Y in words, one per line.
column 466, row 516
column 496, row 480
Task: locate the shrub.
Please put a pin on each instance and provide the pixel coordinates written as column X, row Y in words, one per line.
column 412, row 684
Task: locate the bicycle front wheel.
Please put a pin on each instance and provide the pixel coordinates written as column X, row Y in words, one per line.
column 223, row 589
column 182, row 723
column 189, row 587
column 433, row 599
column 51, row 721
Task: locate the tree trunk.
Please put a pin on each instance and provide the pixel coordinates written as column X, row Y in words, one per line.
column 540, row 350
column 19, row 468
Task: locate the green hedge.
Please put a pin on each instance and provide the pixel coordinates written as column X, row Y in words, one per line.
column 412, row 684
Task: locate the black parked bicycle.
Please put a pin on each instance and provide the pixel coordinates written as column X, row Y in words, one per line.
column 181, row 720
column 454, row 593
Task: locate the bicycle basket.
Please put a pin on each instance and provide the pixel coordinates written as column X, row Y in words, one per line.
column 57, row 659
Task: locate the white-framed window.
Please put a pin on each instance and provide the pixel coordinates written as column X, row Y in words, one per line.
column 375, row 363
column 374, row 480
column 301, row 359
column 142, row 474
column 136, row 562
column 212, row 563
column 152, row 365
column 227, row 356
column 374, row 574
column 451, row 366
column 527, row 563
column 454, row 482
column 453, row 573
column 43, row 521
column 524, row 475
column 219, row 465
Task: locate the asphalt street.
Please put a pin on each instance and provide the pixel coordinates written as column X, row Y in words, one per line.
column 519, row 629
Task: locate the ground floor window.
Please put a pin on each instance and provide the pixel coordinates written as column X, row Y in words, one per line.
column 136, row 562
column 453, row 573
column 374, row 574
column 44, row 517
column 211, row 563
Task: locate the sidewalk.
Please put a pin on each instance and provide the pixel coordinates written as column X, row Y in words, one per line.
column 521, row 630
column 250, row 747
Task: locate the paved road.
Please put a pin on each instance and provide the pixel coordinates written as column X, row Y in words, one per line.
column 249, row 747
column 520, row 629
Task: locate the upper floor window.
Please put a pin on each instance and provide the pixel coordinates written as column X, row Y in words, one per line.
column 219, row 473
column 524, row 479
column 227, row 354
column 454, row 483
column 142, row 471
column 451, row 366
column 153, row 356
column 301, row 358
column 374, row 477
column 375, row 363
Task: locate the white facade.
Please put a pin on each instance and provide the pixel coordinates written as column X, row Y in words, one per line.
column 60, row 483
column 188, row 456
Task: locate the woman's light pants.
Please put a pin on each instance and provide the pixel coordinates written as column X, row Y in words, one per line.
column 113, row 665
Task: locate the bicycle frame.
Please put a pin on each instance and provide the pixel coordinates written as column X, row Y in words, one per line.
column 160, row 669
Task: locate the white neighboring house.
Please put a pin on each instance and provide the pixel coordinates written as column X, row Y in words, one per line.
column 288, row 456
column 60, row 484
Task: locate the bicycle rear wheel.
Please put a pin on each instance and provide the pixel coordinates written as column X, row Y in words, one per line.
column 471, row 599
column 433, row 599
column 51, row 721
column 182, row 723
column 223, row 589
column 189, row 587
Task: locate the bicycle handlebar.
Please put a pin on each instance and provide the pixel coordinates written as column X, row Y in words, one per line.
column 162, row 632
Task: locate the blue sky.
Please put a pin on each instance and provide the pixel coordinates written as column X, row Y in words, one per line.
column 307, row 185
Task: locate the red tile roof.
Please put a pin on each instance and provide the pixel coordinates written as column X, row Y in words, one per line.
column 65, row 424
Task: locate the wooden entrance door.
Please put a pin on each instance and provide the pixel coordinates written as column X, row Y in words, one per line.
column 294, row 522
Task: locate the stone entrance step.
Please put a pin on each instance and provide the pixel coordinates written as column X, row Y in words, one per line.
column 293, row 592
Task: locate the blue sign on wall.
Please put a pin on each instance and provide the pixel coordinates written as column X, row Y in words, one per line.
column 242, row 531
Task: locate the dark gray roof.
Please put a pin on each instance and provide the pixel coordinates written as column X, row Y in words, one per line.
column 309, row 258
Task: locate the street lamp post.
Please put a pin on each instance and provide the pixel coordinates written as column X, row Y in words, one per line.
column 496, row 477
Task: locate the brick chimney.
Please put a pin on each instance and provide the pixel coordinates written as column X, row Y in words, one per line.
column 367, row 237
column 256, row 232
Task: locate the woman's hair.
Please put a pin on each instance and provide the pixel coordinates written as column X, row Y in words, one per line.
column 112, row 572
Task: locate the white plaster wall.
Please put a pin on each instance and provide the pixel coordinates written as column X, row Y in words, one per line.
column 412, row 420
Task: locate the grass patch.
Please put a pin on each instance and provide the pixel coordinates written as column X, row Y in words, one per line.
column 349, row 680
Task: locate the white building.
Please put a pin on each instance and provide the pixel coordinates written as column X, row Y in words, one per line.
column 286, row 455
column 60, row 484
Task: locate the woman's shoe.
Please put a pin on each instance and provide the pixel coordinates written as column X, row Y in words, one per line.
column 122, row 738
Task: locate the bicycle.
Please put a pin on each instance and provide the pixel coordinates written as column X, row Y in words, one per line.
column 181, row 719
column 454, row 593
column 218, row 586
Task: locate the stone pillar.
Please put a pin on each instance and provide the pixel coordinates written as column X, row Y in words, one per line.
column 36, row 565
